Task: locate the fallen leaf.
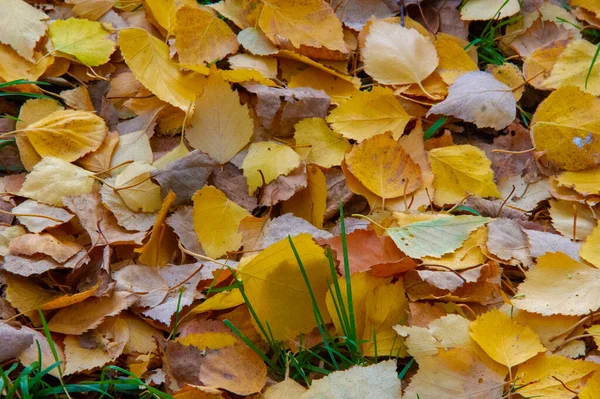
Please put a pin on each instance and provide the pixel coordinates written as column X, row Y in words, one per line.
column 255, row 41
column 53, row 179
column 589, row 251
column 383, row 167
column 81, row 317
column 565, row 128
column 460, row 170
column 159, row 249
column 480, row 98
column 202, row 36
column 285, row 389
column 540, row 34
column 56, row 247
column 505, row 340
column 14, row 341
column 545, row 375
column 507, row 241
column 7, row 234
column 304, row 23
column 85, row 40
column 130, row 220
column 355, row 13
column 541, row 243
column 310, row 203
column 44, row 216
column 41, row 349
column 585, row 182
column 577, row 281
column 378, row 380
column 265, row 161
column 572, row 219
column 482, row 10
column 23, row 26
column 136, row 189
column 148, row 58
column 277, row 291
column 454, row 60
column 369, row 113
column 182, row 223
column 143, row 281
column 216, row 221
column 67, row 135
column 575, row 67
column 324, row 147
column 397, row 55
column 221, row 126
column 448, row 233
column 164, row 12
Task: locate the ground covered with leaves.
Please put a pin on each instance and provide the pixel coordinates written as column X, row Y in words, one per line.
column 300, row 199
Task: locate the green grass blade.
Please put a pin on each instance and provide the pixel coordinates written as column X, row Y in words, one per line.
column 433, row 129
column 592, row 65
column 352, row 333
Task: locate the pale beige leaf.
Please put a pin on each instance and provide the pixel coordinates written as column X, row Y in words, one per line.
column 22, row 26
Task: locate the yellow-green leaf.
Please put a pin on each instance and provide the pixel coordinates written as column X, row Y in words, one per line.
column 325, row 147
column 268, row 160
column 85, row 40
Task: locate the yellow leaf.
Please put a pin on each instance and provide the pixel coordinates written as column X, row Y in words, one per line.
column 221, row 126
column 277, row 291
column 67, row 134
column 538, row 65
column 85, row 40
column 461, row 169
column 266, row 66
column 338, row 89
column 396, row 55
column 220, row 301
column 468, row 255
column 302, row 22
column 326, row 148
column 573, row 68
column 157, row 252
column 510, row 75
column 579, row 287
column 591, row 5
column 363, row 284
column 504, row 340
column 148, row 58
column 386, row 306
column 572, row 219
column 52, row 179
column 208, row 340
column 544, row 376
column 592, row 387
column 216, row 221
column 482, row 10
column 15, row 67
column 585, row 182
column 285, row 389
column 383, row 167
column 454, row 60
column 25, row 296
column 136, row 189
column 268, row 160
column 176, row 153
column 310, row 203
column 202, row 36
column 22, row 26
column 566, row 128
column 590, row 249
column 255, row 41
column 369, row 113
column 164, row 12
column 91, row 9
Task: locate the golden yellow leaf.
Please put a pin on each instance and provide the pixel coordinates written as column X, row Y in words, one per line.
column 386, row 306
column 220, row 301
column 26, row 296
column 369, row 113
column 590, row 249
column 572, row 219
column 482, row 10
column 585, row 182
column 469, row 254
column 208, row 340
column 85, row 40
column 91, row 9
column 579, row 287
column 176, row 153
column 15, row 67
column 545, row 374
column 454, row 60
column 338, row 89
column 22, row 26
column 383, row 167
column 325, row 147
column 52, row 179
column 573, row 66
column 268, row 160
column 67, row 134
column 397, row 55
column 202, row 36
column 221, row 126
column 136, row 189
column 510, row 75
column 277, row 291
column 157, row 251
column 461, row 169
column 505, row 340
column 68, row 300
column 148, row 58
column 99, row 160
column 310, row 203
column 302, row 22
column 216, row 221
column 592, row 386
column 164, row 12
column 266, row 66
column 591, row 5
column 566, row 128
column 538, row 65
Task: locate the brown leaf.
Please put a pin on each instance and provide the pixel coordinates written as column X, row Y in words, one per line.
column 507, row 241
column 145, row 282
column 539, row 34
column 541, row 242
column 284, row 187
column 100, row 224
column 232, row 182
column 182, row 222
column 39, row 224
column 14, row 341
column 185, row 176
column 38, row 264
column 57, row 248
column 81, row 317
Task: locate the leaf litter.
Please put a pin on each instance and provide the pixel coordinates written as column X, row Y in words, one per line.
column 301, row 199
